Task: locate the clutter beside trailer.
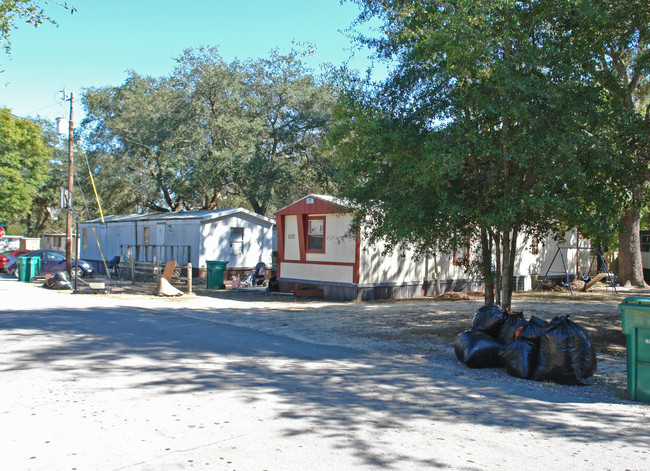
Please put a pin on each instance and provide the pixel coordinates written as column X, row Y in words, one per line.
column 559, row 351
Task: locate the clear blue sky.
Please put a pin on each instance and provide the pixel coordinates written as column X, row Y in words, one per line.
column 95, row 46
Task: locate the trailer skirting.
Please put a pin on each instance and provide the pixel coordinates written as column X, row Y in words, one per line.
column 350, row 291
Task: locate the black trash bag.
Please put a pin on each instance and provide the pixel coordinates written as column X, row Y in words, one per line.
column 477, row 349
column 588, row 361
column 62, row 285
column 566, row 354
column 274, row 286
column 61, row 276
column 519, row 358
column 532, row 329
column 58, row 281
column 511, row 324
column 489, row 318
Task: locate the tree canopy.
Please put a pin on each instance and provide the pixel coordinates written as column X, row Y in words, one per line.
column 616, row 37
column 211, row 134
column 486, row 128
column 24, row 163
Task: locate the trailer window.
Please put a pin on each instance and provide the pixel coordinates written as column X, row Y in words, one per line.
column 316, row 234
column 236, row 240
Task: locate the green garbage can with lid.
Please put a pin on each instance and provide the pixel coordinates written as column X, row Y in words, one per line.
column 21, row 270
column 28, row 268
column 33, row 266
column 635, row 312
column 216, row 270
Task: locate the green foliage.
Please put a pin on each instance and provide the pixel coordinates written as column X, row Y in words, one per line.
column 135, row 142
column 24, row 160
column 487, row 123
column 614, row 36
column 213, row 134
column 38, row 220
column 262, row 124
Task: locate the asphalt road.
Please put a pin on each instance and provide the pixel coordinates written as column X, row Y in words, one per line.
column 99, row 383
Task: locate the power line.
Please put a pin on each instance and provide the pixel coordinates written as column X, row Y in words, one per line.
column 44, row 108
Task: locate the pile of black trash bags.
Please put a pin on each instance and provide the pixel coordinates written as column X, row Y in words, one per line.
column 558, row 351
column 59, row 280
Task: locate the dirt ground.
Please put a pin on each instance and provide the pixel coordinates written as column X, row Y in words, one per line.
column 422, row 327
column 440, row 319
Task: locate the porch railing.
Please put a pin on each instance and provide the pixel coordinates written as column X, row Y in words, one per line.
column 157, row 253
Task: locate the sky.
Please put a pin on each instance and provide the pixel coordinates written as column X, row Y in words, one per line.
column 103, row 39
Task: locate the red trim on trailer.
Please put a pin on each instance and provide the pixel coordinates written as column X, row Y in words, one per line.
column 301, row 236
column 280, row 240
column 357, row 258
column 309, row 208
column 316, row 206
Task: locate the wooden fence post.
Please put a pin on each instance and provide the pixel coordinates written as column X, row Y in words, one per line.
column 189, row 277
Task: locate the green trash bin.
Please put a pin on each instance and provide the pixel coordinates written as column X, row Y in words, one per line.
column 34, row 265
column 21, row 270
column 216, row 271
column 28, row 268
column 635, row 312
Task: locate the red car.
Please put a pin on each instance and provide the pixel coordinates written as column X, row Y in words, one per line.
column 8, row 257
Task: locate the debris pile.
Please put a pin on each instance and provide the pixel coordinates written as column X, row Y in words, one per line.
column 58, row 281
column 560, row 351
column 452, row 296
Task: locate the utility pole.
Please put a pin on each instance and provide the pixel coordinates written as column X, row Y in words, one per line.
column 68, row 226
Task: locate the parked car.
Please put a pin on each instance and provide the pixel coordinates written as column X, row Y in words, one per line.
column 53, row 261
column 7, row 257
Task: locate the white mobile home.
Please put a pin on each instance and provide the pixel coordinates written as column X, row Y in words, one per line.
column 238, row 236
column 315, row 250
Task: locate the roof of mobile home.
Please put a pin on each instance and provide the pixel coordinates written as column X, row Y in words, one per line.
column 322, row 204
column 204, row 215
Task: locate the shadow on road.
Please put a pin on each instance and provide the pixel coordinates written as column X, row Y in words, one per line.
column 337, row 389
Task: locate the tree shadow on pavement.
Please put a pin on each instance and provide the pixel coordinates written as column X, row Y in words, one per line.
column 340, row 391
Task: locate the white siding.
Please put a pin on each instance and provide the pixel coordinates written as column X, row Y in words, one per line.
column 443, row 264
column 309, row 272
column 207, row 241
column 528, row 263
column 291, row 241
column 215, row 235
column 392, row 267
column 340, row 246
column 108, row 237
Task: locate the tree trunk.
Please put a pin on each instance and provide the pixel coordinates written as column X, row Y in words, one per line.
column 257, row 208
column 511, row 266
column 506, row 280
column 509, row 247
column 497, row 247
column 630, row 264
column 486, row 249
